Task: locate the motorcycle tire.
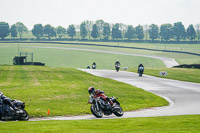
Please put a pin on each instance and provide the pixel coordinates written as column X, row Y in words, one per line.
column 96, row 113
column 24, row 116
column 119, row 113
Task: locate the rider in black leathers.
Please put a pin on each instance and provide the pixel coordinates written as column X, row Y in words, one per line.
column 7, row 100
column 117, row 63
column 94, row 65
column 140, row 65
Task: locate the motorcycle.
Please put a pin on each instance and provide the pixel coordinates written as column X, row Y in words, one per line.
column 140, row 71
column 100, row 107
column 117, row 67
column 93, row 66
column 8, row 113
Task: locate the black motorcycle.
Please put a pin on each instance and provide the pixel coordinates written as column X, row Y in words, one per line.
column 140, row 71
column 117, row 67
column 100, row 107
column 7, row 113
column 94, row 66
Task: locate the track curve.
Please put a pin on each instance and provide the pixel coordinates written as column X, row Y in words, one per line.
column 184, row 97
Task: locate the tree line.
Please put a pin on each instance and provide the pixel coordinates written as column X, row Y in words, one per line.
column 105, row 31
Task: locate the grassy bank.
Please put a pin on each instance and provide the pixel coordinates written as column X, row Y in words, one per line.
column 183, row 74
column 55, row 57
column 183, row 124
column 65, row 90
column 43, row 55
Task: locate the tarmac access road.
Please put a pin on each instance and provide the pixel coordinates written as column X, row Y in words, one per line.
column 183, row 97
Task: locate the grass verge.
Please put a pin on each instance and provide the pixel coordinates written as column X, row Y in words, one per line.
column 183, row 74
column 183, row 124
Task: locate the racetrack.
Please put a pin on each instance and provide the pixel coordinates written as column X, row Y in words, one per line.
column 183, row 97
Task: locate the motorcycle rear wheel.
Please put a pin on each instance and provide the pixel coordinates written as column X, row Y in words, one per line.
column 96, row 113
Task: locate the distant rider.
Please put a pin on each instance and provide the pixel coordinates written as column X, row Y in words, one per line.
column 99, row 93
column 140, row 65
column 94, row 65
column 117, row 63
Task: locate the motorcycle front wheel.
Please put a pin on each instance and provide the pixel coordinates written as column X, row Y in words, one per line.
column 24, row 116
column 119, row 111
column 95, row 112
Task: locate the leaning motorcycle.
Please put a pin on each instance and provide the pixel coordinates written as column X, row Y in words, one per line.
column 7, row 113
column 100, row 107
column 140, row 71
column 117, row 67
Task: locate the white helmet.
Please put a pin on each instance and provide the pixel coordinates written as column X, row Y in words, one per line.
column 1, row 94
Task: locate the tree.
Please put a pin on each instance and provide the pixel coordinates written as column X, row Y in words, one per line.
column 166, row 31
column 179, row 30
column 130, row 32
column 94, row 32
column 37, row 30
column 116, row 32
column 21, row 28
column 13, row 31
column 100, row 25
column 191, row 34
column 197, row 27
column 106, row 31
column 60, row 31
column 77, row 29
column 146, row 29
column 4, row 30
column 153, row 32
column 123, row 28
column 88, row 26
column 139, row 32
column 49, row 31
column 83, row 30
column 71, row 31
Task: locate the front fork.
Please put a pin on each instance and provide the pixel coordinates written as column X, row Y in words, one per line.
column 97, row 106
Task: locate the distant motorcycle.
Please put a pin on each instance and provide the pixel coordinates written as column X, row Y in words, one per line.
column 100, row 107
column 117, row 67
column 93, row 66
column 8, row 113
column 140, row 71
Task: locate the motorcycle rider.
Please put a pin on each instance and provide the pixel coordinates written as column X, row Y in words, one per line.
column 117, row 63
column 7, row 100
column 140, row 65
column 94, row 64
column 99, row 93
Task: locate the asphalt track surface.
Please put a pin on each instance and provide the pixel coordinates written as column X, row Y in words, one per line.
column 183, row 97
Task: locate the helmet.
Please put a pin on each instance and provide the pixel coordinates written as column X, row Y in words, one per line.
column 1, row 94
column 91, row 90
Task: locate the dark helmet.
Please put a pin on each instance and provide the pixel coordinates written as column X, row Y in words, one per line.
column 91, row 90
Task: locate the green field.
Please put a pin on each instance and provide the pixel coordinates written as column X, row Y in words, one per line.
column 61, row 58
column 73, row 58
column 175, row 124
